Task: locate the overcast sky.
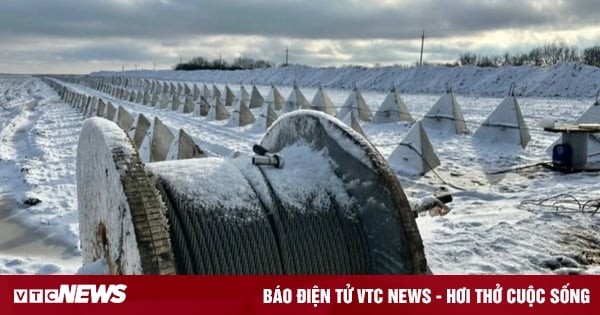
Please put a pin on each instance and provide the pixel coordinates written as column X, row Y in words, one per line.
column 80, row 36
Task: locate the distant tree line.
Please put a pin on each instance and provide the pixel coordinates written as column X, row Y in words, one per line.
column 543, row 56
column 201, row 63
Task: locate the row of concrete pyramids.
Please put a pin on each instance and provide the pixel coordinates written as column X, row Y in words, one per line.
column 392, row 109
column 505, row 124
column 161, row 142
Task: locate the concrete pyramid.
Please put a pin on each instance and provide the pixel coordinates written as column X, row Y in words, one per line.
column 218, row 111
column 241, row 115
column 446, row 115
column 188, row 105
column 204, row 106
column 256, row 99
column 355, row 103
column 392, row 109
column 101, row 109
column 244, row 95
column 415, row 154
column 322, row 102
column 111, row 111
column 275, row 98
column 505, row 125
column 162, row 137
column 229, row 96
column 164, row 100
column 351, row 121
column 141, row 129
column 139, row 96
column 92, row 108
column 155, row 98
column 132, row 96
column 124, row 119
column 266, row 117
column 175, row 102
column 295, row 101
column 184, row 147
column 206, row 92
column 195, row 93
column 179, row 88
column 216, row 93
column 146, row 98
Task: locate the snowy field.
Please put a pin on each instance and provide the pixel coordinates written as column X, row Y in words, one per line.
column 492, row 228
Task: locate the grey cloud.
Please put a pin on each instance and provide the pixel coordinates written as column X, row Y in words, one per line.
column 106, row 51
column 298, row 19
column 111, row 32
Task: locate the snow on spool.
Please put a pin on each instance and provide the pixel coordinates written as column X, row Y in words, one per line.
column 121, row 215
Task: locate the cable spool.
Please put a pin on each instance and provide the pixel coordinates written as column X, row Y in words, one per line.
column 218, row 225
column 378, row 203
column 335, row 208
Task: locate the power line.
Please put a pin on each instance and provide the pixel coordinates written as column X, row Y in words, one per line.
column 422, row 43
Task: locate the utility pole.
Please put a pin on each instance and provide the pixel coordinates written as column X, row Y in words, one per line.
column 220, row 62
column 422, row 43
column 286, row 55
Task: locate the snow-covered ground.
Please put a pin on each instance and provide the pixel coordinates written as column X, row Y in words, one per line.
column 37, row 161
column 491, row 228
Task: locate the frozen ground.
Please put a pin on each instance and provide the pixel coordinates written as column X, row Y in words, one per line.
column 487, row 231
